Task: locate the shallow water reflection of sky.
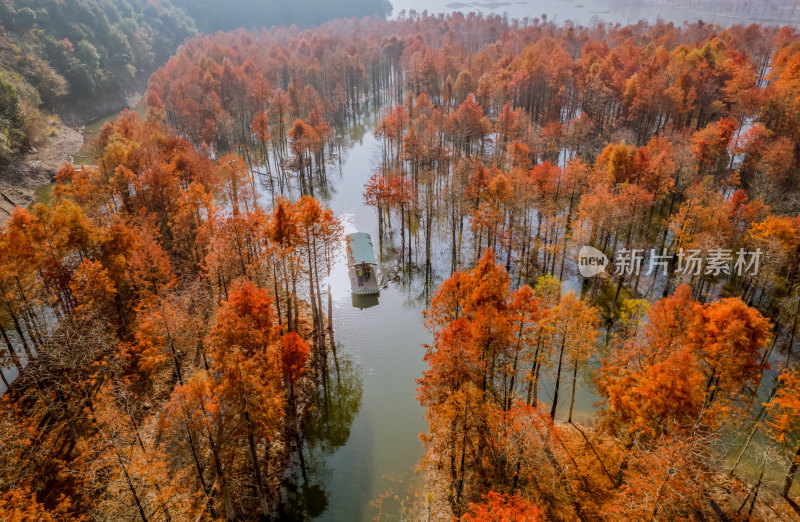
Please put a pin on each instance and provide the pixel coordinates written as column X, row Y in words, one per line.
column 585, row 12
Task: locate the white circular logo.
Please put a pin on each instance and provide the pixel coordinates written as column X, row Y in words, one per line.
column 591, row 261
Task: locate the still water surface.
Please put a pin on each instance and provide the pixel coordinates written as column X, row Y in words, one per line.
column 385, row 341
column 587, row 12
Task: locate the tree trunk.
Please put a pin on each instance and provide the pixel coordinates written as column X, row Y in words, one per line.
column 572, row 399
column 132, row 488
column 262, row 496
column 199, row 469
column 12, row 352
column 558, row 379
column 3, row 379
column 790, row 474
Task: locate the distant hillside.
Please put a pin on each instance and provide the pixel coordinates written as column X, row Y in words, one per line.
column 77, row 53
column 79, row 50
column 213, row 15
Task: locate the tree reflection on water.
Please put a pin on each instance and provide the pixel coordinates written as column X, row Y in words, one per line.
column 325, row 428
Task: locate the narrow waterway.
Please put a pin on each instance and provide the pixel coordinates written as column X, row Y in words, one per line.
column 384, row 340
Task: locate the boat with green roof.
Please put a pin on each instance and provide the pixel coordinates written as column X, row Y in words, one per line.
column 361, row 264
